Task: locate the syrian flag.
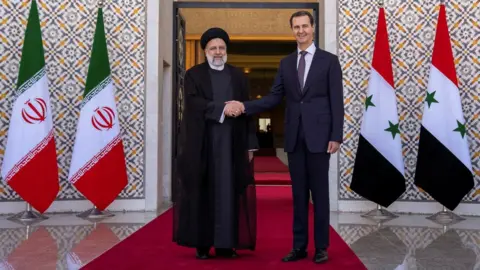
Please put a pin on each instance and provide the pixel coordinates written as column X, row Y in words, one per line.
column 378, row 173
column 30, row 162
column 98, row 167
column 444, row 168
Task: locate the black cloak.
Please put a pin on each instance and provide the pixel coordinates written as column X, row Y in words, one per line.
column 193, row 221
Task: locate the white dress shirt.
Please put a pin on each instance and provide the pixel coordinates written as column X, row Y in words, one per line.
column 308, row 59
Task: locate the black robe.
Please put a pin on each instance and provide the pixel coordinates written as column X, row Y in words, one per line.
column 214, row 206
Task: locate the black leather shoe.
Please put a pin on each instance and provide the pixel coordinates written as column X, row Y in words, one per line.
column 226, row 253
column 295, row 255
column 202, row 253
column 321, row 256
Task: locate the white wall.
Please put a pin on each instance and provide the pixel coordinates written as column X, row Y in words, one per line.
column 158, row 103
column 330, row 20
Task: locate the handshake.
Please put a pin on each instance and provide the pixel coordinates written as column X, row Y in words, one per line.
column 234, row 108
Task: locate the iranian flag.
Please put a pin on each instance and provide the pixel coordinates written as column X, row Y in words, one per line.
column 444, row 168
column 378, row 173
column 98, row 167
column 30, row 162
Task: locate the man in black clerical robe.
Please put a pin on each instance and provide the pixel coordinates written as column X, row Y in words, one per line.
column 213, row 190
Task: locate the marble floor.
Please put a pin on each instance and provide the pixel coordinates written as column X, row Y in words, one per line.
column 412, row 242
column 65, row 241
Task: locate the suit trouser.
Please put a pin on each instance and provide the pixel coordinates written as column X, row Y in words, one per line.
column 309, row 171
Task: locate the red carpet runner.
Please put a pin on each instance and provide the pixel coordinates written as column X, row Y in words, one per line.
column 271, row 171
column 151, row 247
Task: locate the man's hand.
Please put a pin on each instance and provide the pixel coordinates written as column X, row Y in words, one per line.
column 234, row 108
column 333, row 147
column 250, row 156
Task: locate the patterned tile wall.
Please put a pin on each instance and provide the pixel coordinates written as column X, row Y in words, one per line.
column 411, row 26
column 67, row 28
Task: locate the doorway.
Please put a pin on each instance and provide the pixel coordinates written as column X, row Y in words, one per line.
column 181, row 45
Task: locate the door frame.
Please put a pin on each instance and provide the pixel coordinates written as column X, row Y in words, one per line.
column 239, row 5
column 223, row 5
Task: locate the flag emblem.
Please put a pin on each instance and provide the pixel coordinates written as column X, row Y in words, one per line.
column 103, row 118
column 34, row 114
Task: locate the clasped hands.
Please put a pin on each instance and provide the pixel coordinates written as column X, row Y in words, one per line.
column 234, row 108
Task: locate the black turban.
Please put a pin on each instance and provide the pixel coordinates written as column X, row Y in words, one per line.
column 213, row 33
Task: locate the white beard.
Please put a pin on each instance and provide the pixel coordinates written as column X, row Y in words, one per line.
column 215, row 63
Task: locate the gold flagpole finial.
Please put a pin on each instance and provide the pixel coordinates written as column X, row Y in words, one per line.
column 380, row 3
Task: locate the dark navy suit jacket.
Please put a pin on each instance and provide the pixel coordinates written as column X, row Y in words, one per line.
column 319, row 105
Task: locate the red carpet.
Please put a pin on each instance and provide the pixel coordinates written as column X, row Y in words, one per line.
column 271, row 171
column 151, row 247
column 269, row 164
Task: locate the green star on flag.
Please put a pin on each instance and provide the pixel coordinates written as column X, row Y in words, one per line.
column 393, row 129
column 368, row 102
column 431, row 98
column 461, row 128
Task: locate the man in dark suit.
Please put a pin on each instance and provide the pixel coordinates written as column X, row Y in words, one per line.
column 311, row 81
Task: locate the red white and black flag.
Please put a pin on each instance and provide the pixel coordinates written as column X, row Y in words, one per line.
column 378, row 173
column 444, row 168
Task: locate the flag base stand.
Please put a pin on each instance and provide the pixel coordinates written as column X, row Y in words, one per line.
column 379, row 214
column 95, row 214
column 27, row 217
column 445, row 217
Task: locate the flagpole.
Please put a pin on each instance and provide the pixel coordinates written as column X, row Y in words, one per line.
column 27, row 217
